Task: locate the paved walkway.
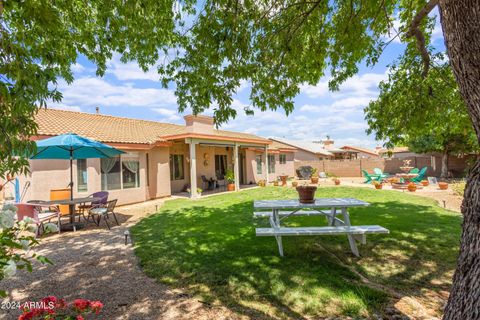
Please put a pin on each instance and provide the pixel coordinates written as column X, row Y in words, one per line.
column 96, row 264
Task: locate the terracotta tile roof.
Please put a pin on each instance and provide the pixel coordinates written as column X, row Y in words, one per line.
column 113, row 129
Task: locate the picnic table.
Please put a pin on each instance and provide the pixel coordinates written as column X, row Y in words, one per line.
column 332, row 208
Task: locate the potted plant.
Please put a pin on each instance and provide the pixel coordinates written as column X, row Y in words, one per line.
column 283, row 178
column 261, row 183
column 275, row 183
column 294, row 184
column 306, row 194
column 314, row 177
column 443, row 185
column 412, row 187
column 424, row 183
column 230, row 177
column 336, row 181
column 199, row 191
column 378, row 185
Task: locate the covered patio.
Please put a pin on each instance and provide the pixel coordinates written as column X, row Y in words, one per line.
column 207, row 162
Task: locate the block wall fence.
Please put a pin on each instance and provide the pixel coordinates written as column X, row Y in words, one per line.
column 458, row 166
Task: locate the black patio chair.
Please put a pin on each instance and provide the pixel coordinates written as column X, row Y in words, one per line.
column 99, row 212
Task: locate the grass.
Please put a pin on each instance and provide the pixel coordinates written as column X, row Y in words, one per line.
column 209, row 248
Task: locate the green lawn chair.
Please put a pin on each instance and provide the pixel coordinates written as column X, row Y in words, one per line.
column 414, row 170
column 381, row 175
column 421, row 175
column 369, row 177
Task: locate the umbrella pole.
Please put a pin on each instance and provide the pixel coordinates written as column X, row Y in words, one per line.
column 71, row 175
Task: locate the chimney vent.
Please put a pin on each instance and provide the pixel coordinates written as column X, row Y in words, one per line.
column 97, row 110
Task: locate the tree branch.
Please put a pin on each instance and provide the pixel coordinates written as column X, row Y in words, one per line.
column 414, row 31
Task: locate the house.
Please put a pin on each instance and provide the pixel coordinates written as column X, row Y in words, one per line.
column 160, row 159
column 326, row 150
column 396, row 152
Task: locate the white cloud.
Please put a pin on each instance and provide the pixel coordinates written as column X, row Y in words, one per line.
column 130, row 70
column 167, row 114
column 358, row 86
column 61, row 106
column 78, row 68
column 91, row 91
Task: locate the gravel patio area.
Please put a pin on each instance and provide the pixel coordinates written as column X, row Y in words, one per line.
column 94, row 263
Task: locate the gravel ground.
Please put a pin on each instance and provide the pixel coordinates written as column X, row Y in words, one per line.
column 95, row 263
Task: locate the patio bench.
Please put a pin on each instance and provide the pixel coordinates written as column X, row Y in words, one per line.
column 312, row 231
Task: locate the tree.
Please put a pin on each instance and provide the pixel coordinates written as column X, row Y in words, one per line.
column 273, row 44
column 445, row 143
column 411, row 110
column 41, row 40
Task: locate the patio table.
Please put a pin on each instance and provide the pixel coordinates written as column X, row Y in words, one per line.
column 279, row 210
column 71, row 204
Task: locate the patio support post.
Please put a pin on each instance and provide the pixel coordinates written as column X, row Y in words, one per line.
column 266, row 164
column 236, row 168
column 193, row 170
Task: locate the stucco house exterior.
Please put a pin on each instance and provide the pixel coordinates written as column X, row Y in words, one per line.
column 160, row 159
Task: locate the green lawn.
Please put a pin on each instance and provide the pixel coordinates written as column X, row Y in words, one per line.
column 208, row 247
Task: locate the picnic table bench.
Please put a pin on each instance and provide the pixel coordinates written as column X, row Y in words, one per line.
column 279, row 210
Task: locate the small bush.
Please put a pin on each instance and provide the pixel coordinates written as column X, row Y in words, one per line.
column 459, row 188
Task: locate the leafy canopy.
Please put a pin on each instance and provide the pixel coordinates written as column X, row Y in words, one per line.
column 41, row 40
column 274, row 45
column 425, row 113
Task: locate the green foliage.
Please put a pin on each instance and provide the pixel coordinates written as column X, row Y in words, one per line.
column 278, row 46
column 16, row 244
column 40, row 41
column 230, row 176
column 426, row 114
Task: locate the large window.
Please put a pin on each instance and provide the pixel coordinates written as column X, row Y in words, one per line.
column 271, row 163
column 282, row 158
column 111, row 178
column 176, row 167
column 82, row 176
column 120, row 173
column 220, row 165
column 130, row 172
column 258, row 160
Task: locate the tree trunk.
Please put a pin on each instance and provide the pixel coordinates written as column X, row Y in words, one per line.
column 444, row 170
column 461, row 28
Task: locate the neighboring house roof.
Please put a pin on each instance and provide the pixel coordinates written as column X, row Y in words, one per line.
column 105, row 128
column 364, row 150
column 394, row 150
column 307, row 146
column 276, row 145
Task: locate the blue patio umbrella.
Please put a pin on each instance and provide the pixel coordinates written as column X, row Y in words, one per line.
column 71, row 146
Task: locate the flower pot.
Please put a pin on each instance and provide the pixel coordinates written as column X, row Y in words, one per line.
column 378, row 186
column 443, row 185
column 412, row 187
column 284, row 180
column 424, row 183
column 337, row 182
column 314, row 180
column 306, row 194
column 294, row 184
column 275, row 183
column 231, row 187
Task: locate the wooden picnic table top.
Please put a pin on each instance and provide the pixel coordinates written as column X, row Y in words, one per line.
column 319, row 203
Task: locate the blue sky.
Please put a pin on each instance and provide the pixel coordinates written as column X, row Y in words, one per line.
column 127, row 91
